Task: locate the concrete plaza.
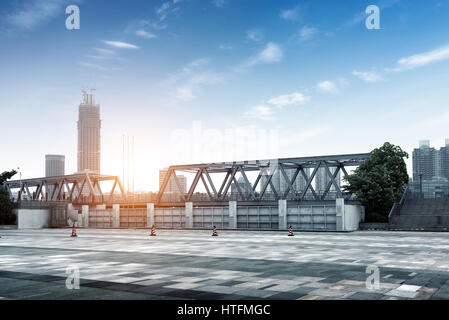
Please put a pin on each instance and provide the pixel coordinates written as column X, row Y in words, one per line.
column 190, row 264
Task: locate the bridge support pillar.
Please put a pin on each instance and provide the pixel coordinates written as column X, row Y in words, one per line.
column 232, row 215
column 189, row 214
column 150, row 215
column 85, row 216
column 116, row 216
column 282, row 208
column 340, row 215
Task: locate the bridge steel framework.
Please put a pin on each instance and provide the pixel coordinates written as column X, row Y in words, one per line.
column 267, row 168
column 83, row 187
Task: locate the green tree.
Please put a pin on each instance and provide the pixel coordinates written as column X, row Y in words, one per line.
column 378, row 182
column 6, row 216
column 6, row 175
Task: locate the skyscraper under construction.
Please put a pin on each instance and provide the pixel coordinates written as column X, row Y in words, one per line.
column 89, row 139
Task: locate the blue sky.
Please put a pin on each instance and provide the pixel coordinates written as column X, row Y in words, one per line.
column 203, row 80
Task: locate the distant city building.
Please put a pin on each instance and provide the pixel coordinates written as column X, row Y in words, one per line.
column 437, row 187
column 275, row 180
column 322, row 179
column 299, row 184
column 244, row 188
column 429, row 162
column 54, row 165
column 443, row 160
column 89, row 139
column 430, row 170
column 171, row 186
column 281, row 185
column 424, row 161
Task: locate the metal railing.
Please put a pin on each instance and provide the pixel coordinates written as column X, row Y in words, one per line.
column 397, row 206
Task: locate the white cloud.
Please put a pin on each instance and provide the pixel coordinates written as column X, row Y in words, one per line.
column 422, row 59
column 267, row 111
column 368, row 76
column 120, row 45
column 255, row 35
column 195, row 65
column 32, row 13
column 327, row 87
column 161, row 11
column 93, row 66
column 272, row 53
column 261, row 112
column 185, row 93
column 219, row 3
column 186, row 84
column 103, row 51
column 145, row 34
column 290, row 14
column 306, row 33
column 288, row 99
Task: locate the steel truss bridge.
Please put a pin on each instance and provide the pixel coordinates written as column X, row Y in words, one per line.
column 76, row 188
column 265, row 169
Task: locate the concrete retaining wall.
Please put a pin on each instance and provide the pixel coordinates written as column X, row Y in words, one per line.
column 312, row 217
column 33, row 218
column 353, row 216
column 332, row 217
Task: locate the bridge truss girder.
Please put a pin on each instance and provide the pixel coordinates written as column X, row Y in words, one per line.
column 77, row 187
column 265, row 168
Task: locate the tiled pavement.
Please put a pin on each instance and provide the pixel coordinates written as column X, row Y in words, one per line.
column 128, row 264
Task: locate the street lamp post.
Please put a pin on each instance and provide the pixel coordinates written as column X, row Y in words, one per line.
column 19, row 198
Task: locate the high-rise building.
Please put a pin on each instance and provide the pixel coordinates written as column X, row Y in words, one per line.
column 299, row 184
column 89, row 139
column 281, row 185
column 425, row 161
column 430, row 163
column 443, row 161
column 322, row 179
column 54, row 165
column 171, row 186
column 244, row 188
column 275, row 180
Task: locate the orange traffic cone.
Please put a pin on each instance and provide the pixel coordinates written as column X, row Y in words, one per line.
column 74, row 231
column 153, row 231
column 214, row 233
column 290, row 231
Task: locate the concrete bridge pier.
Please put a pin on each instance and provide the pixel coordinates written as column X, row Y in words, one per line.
column 116, row 216
column 189, row 215
column 150, row 215
column 232, row 215
column 282, row 207
column 85, row 216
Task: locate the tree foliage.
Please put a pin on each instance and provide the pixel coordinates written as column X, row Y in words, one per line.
column 6, row 216
column 378, row 182
column 6, row 175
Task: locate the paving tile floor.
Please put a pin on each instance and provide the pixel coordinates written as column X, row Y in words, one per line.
column 236, row 265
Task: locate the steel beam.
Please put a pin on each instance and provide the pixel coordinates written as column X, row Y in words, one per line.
column 210, row 182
